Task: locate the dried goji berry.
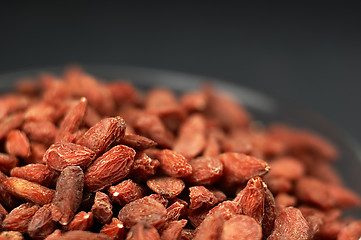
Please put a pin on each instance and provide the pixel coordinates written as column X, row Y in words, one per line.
column 115, row 229
column 137, row 142
column 143, row 210
column 61, row 155
column 169, row 187
column 201, row 197
column 68, row 195
column 7, row 162
column 241, row 227
column 174, row 164
column 103, row 134
column 126, row 192
column 11, row 235
column 143, row 167
column 290, row 224
column 102, row 208
column 41, row 131
column 109, row 168
column 41, row 224
column 252, row 199
column 29, row 190
column 19, row 218
column 191, row 137
column 17, row 144
column 205, row 170
column 38, row 173
column 238, row 167
column 82, row 221
column 172, row 230
column 143, row 230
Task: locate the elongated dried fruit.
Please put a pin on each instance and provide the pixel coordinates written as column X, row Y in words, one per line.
column 270, row 212
column 41, row 112
column 37, row 152
column 41, row 224
column 238, row 167
column 285, row 200
column 8, row 200
column 343, row 198
column 252, row 199
column 192, row 136
column 9, row 123
column 205, row 170
column 311, row 190
column 141, row 231
column 123, row 92
column 226, row 209
column 103, row 134
column 7, row 162
column 290, row 224
column 350, row 232
column 143, row 167
column 75, row 116
column 115, row 230
column 79, row 234
column 169, row 187
column 143, row 210
column 3, row 213
column 109, row 168
column 213, row 147
column 286, row 167
column 175, row 210
column 174, row 164
column 241, row 227
column 102, row 208
column 68, row 195
column 172, row 230
column 137, row 142
column 28, row 190
column 210, row 228
column 19, row 218
column 278, row 185
column 41, row 131
column 54, row 235
column 151, row 126
column 61, row 155
column 226, row 110
column 201, row 197
column 38, row 173
column 186, row 234
column 82, row 221
column 11, row 235
column 197, row 216
column 194, row 101
column 126, row 192
column 17, row 144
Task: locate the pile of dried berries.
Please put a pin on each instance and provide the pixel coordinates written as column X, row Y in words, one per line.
column 82, row 159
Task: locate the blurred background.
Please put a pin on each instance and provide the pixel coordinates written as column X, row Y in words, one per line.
column 308, row 53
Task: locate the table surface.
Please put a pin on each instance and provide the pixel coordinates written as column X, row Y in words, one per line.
column 308, row 53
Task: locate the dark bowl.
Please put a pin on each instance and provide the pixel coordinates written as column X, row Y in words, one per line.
column 263, row 108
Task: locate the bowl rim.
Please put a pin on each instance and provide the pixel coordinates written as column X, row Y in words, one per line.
column 253, row 98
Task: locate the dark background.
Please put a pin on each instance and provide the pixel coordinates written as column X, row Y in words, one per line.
column 309, row 53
